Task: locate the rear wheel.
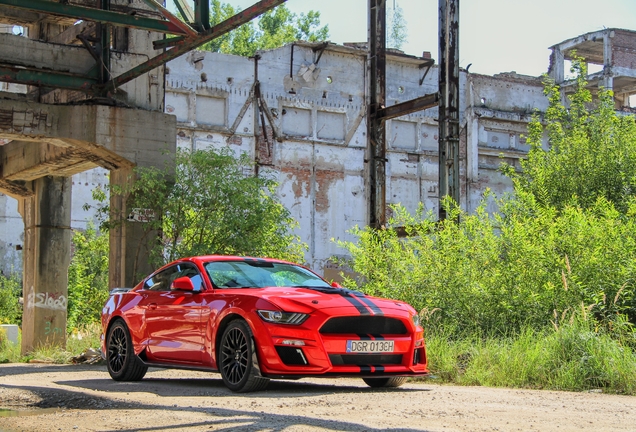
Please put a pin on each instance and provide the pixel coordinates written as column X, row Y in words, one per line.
column 122, row 363
column 237, row 359
column 385, row 382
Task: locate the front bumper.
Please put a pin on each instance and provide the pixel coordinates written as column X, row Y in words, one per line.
column 303, row 351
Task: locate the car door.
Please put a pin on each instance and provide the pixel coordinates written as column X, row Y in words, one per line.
column 173, row 317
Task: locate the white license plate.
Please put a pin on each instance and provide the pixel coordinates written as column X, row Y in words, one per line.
column 369, row 346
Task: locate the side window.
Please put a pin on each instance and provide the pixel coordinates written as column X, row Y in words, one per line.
column 161, row 281
column 190, row 271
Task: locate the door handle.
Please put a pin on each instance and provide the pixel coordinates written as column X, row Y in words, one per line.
column 152, row 306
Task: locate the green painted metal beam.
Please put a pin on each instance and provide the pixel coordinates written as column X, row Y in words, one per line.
column 46, row 79
column 97, row 15
column 188, row 44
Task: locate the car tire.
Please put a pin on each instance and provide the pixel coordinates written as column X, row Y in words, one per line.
column 238, row 363
column 385, row 382
column 122, row 363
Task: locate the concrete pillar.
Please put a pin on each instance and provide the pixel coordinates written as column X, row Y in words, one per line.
column 47, row 247
column 557, row 65
column 130, row 242
column 608, row 78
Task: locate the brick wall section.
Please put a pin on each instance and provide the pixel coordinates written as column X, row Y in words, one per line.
column 624, row 49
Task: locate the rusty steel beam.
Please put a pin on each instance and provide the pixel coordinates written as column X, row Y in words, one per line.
column 187, row 30
column 376, row 132
column 188, row 44
column 94, row 14
column 408, row 107
column 449, row 102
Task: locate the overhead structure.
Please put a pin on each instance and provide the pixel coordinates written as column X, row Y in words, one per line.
column 99, row 17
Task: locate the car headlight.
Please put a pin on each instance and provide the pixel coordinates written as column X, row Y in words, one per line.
column 416, row 320
column 278, row 317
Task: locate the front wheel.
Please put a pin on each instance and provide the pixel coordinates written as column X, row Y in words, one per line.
column 385, row 382
column 122, row 363
column 239, row 366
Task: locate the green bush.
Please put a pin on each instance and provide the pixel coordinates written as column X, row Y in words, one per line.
column 527, row 265
column 10, row 307
column 87, row 278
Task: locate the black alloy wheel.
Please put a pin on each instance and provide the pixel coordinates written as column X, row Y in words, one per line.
column 237, row 359
column 122, row 363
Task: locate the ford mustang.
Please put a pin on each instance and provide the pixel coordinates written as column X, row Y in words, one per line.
column 254, row 319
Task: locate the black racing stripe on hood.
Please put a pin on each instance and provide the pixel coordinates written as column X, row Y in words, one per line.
column 350, row 295
column 356, row 303
column 369, row 303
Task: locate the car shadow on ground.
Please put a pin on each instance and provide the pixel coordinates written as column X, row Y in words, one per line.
column 213, row 386
column 218, row 418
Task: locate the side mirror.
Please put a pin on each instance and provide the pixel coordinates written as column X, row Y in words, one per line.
column 336, row 285
column 183, row 283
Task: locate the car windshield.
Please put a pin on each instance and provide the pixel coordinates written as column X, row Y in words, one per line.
column 260, row 274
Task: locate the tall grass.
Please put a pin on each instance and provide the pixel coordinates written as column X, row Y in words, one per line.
column 77, row 343
column 572, row 357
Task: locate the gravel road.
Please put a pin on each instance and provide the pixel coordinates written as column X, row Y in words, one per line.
column 84, row 398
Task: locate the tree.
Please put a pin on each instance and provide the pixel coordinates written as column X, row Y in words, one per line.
column 591, row 150
column 87, row 277
column 397, row 31
column 274, row 28
column 210, row 206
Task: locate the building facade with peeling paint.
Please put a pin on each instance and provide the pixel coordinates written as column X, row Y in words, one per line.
column 311, row 102
column 312, row 106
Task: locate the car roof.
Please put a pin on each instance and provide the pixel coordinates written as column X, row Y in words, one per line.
column 208, row 258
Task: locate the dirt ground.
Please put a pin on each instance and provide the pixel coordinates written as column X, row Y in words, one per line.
column 84, row 398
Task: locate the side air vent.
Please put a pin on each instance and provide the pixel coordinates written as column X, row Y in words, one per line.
column 292, row 356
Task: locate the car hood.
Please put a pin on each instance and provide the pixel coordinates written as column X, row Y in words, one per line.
column 308, row 299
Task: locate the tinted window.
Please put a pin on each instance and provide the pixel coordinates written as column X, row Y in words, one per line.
column 260, row 274
column 162, row 280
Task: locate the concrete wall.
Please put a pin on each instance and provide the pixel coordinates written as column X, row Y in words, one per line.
column 319, row 159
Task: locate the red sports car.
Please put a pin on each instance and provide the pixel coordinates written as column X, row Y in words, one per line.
column 252, row 319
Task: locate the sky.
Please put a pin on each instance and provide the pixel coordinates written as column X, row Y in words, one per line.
column 494, row 35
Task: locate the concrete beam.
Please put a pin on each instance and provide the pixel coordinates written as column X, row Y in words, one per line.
column 115, row 137
column 14, row 189
column 69, row 36
column 21, row 51
column 26, row 161
column 9, row 15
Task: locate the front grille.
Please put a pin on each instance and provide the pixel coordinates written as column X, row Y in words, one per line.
column 291, row 356
column 365, row 359
column 375, row 325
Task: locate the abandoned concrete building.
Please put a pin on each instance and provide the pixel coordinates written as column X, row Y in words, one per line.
column 313, row 105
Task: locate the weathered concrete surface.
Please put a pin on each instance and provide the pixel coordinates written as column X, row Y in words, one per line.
column 316, row 128
column 611, row 50
column 47, row 254
column 65, row 140
column 318, row 114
